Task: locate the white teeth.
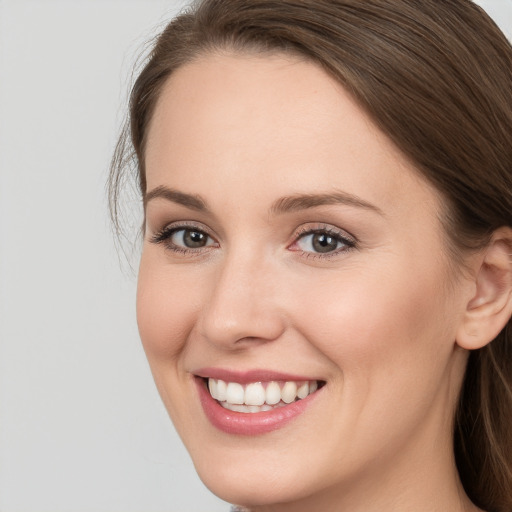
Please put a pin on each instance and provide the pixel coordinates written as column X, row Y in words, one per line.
column 257, row 396
column 254, row 394
column 249, row 408
column 289, row 392
column 302, row 392
column 235, row 393
column 221, row 390
column 212, row 386
column 273, row 393
column 235, row 407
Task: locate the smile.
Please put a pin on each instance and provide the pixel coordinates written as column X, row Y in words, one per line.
column 254, row 402
column 258, row 397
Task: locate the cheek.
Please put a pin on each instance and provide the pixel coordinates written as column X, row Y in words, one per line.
column 167, row 305
column 391, row 344
column 166, row 313
column 383, row 328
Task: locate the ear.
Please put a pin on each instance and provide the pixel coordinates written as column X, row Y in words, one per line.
column 490, row 308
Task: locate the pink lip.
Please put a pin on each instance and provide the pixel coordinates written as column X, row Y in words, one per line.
column 250, row 424
column 248, row 376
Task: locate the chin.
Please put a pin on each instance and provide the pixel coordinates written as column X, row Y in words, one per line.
column 257, row 487
column 263, row 470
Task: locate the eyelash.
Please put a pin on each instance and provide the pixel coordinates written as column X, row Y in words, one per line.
column 348, row 241
column 164, row 237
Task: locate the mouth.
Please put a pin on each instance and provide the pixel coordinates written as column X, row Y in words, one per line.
column 256, row 397
column 254, row 402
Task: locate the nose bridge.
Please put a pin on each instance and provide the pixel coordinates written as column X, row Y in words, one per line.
column 242, row 300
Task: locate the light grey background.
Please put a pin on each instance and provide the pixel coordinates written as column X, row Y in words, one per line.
column 81, row 426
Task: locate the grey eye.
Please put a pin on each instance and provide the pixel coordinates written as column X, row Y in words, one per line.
column 191, row 239
column 321, row 243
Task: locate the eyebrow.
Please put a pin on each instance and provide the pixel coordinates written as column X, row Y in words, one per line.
column 283, row 205
column 304, row 201
column 191, row 201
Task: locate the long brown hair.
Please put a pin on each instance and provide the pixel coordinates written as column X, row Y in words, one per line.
column 436, row 77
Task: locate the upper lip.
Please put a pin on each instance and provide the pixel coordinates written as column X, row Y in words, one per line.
column 248, row 376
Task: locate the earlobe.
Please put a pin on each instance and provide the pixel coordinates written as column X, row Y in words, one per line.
column 490, row 308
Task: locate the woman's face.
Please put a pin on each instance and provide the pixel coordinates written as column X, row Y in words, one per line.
column 289, row 243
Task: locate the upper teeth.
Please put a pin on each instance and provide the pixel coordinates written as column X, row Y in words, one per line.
column 259, row 393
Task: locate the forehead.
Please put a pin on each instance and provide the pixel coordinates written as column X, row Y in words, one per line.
column 243, row 120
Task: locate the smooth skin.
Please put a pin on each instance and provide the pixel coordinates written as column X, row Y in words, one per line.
column 231, row 277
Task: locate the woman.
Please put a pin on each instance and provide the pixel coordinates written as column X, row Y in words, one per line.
column 325, row 284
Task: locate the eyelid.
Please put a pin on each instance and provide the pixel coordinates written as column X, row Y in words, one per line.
column 321, row 227
column 182, row 224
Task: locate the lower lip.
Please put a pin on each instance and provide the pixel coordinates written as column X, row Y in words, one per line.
column 249, row 424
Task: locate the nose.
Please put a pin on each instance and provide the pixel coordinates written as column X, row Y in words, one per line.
column 242, row 304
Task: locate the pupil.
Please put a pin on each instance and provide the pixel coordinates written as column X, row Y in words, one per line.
column 324, row 243
column 194, row 239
